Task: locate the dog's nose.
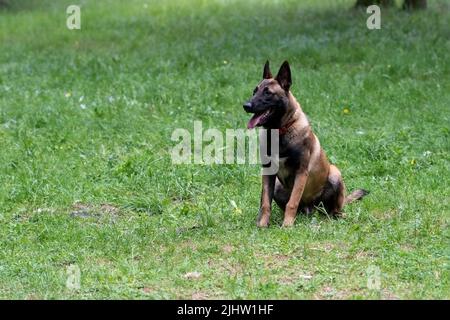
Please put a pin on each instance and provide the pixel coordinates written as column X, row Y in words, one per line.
column 248, row 106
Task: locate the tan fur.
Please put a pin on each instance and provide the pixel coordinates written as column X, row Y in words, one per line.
column 312, row 181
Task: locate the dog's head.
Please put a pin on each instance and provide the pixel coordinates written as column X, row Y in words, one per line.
column 270, row 98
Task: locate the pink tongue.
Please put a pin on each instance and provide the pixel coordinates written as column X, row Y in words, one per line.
column 254, row 121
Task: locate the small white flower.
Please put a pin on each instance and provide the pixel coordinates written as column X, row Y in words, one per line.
column 83, row 106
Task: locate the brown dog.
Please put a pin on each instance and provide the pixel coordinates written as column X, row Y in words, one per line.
column 305, row 179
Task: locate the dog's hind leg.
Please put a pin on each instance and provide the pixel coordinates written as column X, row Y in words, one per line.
column 333, row 195
column 281, row 195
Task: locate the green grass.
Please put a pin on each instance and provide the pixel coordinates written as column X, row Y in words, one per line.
column 143, row 68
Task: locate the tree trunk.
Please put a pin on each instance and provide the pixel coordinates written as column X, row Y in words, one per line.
column 414, row 4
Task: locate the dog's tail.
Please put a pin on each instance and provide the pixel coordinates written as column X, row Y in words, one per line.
column 356, row 195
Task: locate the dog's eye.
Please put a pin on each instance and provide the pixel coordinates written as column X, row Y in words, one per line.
column 266, row 91
column 254, row 91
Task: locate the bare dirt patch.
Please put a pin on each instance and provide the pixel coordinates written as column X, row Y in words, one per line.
column 83, row 210
column 200, row 295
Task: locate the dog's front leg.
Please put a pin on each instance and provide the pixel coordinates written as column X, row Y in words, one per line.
column 268, row 185
column 296, row 195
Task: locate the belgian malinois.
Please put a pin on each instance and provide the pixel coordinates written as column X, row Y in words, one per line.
column 305, row 179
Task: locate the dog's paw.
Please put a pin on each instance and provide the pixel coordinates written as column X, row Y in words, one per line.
column 263, row 219
column 262, row 222
column 287, row 223
column 339, row 215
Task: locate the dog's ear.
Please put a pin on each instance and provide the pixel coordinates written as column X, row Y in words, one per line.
column 266, row 73
column 284, row 76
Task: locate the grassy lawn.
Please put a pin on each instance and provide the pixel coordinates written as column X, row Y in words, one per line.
column 86, row 177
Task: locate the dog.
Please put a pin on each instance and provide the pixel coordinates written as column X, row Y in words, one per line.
column 305, row 178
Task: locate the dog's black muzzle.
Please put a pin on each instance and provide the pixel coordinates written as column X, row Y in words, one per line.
column 248, row 107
